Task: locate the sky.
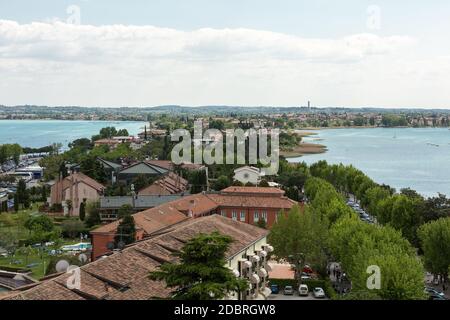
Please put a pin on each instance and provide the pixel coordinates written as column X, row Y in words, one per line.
column 349, row 53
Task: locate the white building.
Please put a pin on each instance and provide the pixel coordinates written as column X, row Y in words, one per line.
column 248, row 174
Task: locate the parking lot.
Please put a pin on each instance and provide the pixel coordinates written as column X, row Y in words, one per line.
column 281, row 296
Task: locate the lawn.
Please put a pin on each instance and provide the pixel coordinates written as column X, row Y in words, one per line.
column 12, row 225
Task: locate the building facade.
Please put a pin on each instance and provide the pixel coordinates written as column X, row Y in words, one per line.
column 73, row 190
column 250, row 205
column 123, row 275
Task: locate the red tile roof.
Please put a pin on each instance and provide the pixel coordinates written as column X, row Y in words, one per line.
column 225, row 200
column 150, row 220
column 169, row 165
column 124, row 275
column 196, row 204
column 254, row 191
column 171, row 182
column 81, row 178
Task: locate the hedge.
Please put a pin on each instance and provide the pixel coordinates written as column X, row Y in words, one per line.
column 15, row 269
column 324, row 284
column 284, row 282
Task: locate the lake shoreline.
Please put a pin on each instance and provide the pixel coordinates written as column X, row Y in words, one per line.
column 401, row 158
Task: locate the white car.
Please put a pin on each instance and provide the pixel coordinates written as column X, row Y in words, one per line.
column 303, row 290
column 318, row 293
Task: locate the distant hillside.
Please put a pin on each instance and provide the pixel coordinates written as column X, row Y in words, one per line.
column 133, row 113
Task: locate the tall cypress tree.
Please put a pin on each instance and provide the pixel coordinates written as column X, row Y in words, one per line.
column 126, row 231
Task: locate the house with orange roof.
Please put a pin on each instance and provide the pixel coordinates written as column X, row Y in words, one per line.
column 250, row 205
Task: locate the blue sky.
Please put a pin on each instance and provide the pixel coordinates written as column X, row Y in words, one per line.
column 411, row 45
column 300, row 17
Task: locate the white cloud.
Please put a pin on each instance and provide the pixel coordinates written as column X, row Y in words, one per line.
column 62, row 64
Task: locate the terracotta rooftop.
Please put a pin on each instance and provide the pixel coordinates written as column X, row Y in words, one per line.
column 150, row 220
column 254, row 191
column 124, row 275
column 196, row 204
column 251, row 201
column 80, row 177
column 169, row 165
column 171, row 182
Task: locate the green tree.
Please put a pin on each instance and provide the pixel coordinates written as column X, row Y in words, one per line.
column 435, row 242
column 82, row 144
column 201, row 273
column 23, row 195
column 93, row 214
column 221, row 183
column 41, row 222
column 16, row 202
column 125, row 210
column 93, row 168
column 14, row 151
column 126, row 231
column 82, row 210
column 264, row 184
column 41, row 229
column 72, row 228
column 301, row 234
column 44, row 193
column 52, row 165
column 3, row 154
column 358, row 245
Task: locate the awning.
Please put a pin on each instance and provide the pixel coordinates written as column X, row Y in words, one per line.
column 247, row 264
column 255, row 258
column 269, row 248
column 263, row 253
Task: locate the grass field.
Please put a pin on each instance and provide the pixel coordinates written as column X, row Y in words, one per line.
column 12, row 225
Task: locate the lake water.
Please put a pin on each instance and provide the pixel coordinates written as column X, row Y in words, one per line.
column 40, row 133
column 416, row 158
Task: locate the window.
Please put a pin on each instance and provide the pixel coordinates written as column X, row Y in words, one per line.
column 264, row 215
column 234, row 215
column 256, row 216
column 242, row 215
column 223, row 213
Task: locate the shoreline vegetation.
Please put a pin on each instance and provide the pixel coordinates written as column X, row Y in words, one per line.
column 304, row 148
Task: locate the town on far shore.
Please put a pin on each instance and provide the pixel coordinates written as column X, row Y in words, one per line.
column 119, row 210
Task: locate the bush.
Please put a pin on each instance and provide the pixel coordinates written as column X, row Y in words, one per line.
column 284, row 282
column 324, row 284
column 73, row 228
column 51, row 267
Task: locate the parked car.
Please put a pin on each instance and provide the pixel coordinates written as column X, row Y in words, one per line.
column 318, row 293
column 307, row 269
column 303, row 290
column 288, row 291
column 275, row 288
column 433, row 292
column 305, row 276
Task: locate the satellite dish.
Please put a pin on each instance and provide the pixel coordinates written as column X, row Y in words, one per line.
column 62, row 266
column 110, row 245
column 83, row 258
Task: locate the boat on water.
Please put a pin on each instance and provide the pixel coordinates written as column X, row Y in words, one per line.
column 433, row 144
